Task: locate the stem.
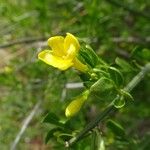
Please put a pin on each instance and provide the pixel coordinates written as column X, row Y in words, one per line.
column 129, row 8
column 137, row 78
column 25, row 125
column 23, row 41
column 110, row 107
column 91, row 125
column 94, row 140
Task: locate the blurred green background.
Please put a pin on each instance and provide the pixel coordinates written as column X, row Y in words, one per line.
column 113, row 28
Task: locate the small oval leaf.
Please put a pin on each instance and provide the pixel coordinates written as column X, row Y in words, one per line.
column 116, row 76
column 116, row 128
column 127, row 95
column 52, row 119
column 119, row 102
column 125, row 66
column 50, row 134
column 102, row 85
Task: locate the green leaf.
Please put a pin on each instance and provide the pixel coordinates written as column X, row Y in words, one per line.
column 141, row 53
column 86, row 79
column 101, row 145
column 52, row 119
column 102, row 85
column 50, row 134
column 116, row 76
column 116, row 128
column 89, row 56
column 93, row 55
column 127, row 95
column 98, row 141
column 126, row 67
column 86, row 57
column 146, row 54
column 104, row 88
column 122, row 98
column 119, row 102
column 61, row 137
column 101, row 72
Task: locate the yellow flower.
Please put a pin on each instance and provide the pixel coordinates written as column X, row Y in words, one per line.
column 63, row 53
column 74, row 107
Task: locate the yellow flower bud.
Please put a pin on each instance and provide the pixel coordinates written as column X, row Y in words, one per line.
column 74, row 107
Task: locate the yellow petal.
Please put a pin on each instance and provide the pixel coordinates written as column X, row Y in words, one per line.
column 79, row 65
column 57, row 45
column 71, row 40
column 71, row 53
column 54, row 61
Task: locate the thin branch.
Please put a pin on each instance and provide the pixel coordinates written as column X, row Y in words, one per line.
column 74, row 85
column 122, row 53
column 23, row 41
column 129, row 8
column 135, row 40
column 110, row 108
column 25, row 125
column 90, row 126
column 17, row 19
column 135, row 81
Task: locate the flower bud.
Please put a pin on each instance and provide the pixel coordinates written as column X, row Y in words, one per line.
column 74, row 107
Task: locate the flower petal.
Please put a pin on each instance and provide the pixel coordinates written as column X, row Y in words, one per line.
column 79, row 65
column 57, row 45
column 54, row 61
column 71, row 53
column 71, row 40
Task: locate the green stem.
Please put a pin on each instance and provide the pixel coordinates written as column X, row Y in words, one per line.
column 137, row 78
column 110, row 107
column 97, row 140
column 94, row 141
column 91, row 125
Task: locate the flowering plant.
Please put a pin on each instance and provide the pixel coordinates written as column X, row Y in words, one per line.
column 100, row 80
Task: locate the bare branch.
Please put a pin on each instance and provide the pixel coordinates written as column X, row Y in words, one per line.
column 23, row 41
column 131, row 40
column 129, row 8
column 25, row 125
